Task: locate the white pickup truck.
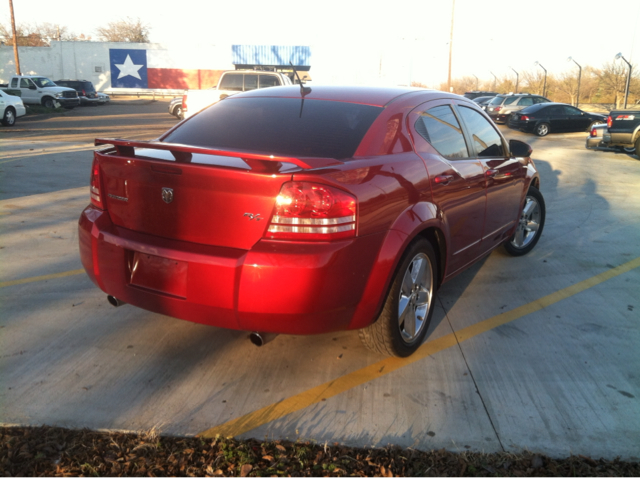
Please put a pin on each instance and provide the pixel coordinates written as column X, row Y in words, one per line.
column 230, row 83
column 39, row 90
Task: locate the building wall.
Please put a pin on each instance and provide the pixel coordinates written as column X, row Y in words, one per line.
column 196, row 67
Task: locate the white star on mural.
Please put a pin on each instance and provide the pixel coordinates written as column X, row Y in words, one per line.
column 129, row 69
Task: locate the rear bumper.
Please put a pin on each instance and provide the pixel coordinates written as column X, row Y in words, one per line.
column 282, row 287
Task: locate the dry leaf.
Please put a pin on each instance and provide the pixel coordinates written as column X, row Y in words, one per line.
column 245, row 470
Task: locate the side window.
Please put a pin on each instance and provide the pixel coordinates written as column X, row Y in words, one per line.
column 269, row 80
column 510, row 100
column 527, row 101
column 554, row 110
column 570, row 110
column 440, row 127
column 24, row 83
column 486, row 139
column 232, row 82
column 250, row 82
column 542, row 100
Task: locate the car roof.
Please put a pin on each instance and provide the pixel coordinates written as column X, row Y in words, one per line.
column 370, row 95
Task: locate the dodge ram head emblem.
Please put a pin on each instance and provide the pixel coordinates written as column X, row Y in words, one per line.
column 167, row 195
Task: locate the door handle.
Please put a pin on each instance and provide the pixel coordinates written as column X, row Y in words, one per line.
column 443, row 179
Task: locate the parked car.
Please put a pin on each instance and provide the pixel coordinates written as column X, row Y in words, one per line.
column 11, row 108
column 103, row 99
column 309, row 210
column 594, row 139
column 476, row 94
column 86, row 91
column 502, row 106
column 545, row 118
column 175, row 107
column 483, row 101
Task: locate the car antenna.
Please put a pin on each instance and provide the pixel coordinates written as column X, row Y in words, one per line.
column 304, row 90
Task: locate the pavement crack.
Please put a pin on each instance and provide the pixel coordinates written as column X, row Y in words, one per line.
column 475, row 384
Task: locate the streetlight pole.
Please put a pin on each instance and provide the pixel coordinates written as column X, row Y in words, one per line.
column 495, row 78
column 453, row 9
column 626, row 90
column 544, row 88
column 517, row 78
column 477, row 89
column 579, row 77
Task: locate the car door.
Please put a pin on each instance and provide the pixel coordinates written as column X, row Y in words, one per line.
column 456, row 178
column 29, row 90
column 557, row 118
column 504, row 176
column 576, row 119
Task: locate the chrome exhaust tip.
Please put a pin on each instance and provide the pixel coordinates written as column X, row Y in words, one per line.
column 114, row 301
column 260, row 338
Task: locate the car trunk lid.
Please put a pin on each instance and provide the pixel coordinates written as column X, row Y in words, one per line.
column 198, row 195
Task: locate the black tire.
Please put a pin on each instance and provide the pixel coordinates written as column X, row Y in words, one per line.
column 637, row 149
column 48, row 102
column 413, row 290
column 530, row 225
column 9, row 117
column 178, row 112
column 542, row 129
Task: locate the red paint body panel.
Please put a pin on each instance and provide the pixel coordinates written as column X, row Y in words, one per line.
column 204, row 256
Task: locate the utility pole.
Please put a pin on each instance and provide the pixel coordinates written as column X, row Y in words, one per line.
column 15, row 39
column 453, row 8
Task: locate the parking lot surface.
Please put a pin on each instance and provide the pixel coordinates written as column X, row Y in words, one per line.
column 538, row 353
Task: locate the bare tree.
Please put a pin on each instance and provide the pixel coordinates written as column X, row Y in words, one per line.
column 613, row 77
column 127, row 30
column 39, row 34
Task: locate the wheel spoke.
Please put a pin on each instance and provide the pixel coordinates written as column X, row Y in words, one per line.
column 417, row 269
column 529, row 208
column 407, row 284
column 518, row 239
column 407, row 320
column 403, row 306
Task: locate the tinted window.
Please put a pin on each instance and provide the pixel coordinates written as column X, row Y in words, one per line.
column 268, row 80
column 540, row 99
column 486, row 139
column 497, row 100
column 554, row 110
column 570, row 110
column 232, row 82
column 440, row 127
column 510, row 100
column 527, row 101
column 250, row 82
column 280, row 126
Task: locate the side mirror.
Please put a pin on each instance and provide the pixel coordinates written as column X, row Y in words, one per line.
column 519, row 149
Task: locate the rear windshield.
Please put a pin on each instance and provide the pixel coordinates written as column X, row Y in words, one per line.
column 279, row 126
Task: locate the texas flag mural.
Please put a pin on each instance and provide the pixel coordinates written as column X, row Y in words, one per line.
column 149, row 69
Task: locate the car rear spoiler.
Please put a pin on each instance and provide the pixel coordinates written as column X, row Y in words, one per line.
column 183, row 154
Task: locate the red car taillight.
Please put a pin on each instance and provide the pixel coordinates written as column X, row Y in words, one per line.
column 497, row 108
column 84, row 93
column 593, row 133
column 609, row 121
column 184, row 103
column 524, row 118
column 312, row 212
column 95, row 192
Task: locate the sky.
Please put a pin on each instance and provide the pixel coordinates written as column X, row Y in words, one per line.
column 397, row 42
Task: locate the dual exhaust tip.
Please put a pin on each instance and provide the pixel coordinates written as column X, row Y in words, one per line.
column 257, row 338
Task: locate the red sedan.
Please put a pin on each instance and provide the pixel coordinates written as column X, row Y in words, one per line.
column 303, row 212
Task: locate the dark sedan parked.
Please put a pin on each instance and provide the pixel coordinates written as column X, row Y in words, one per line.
column 545, row 118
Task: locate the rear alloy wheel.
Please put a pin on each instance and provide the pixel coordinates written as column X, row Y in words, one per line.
column 530, row 225
column 9, row 118
column 48, row 103
column 178, row 112
column 542, row 129
column 405, row 317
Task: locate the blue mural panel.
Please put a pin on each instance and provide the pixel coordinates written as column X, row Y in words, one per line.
column 270, row 55
column 128, row 68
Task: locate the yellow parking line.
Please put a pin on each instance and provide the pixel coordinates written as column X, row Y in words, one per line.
column 40, row 278
column 267, row 414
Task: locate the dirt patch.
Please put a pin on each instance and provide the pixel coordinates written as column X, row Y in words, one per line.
column 51, row 451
